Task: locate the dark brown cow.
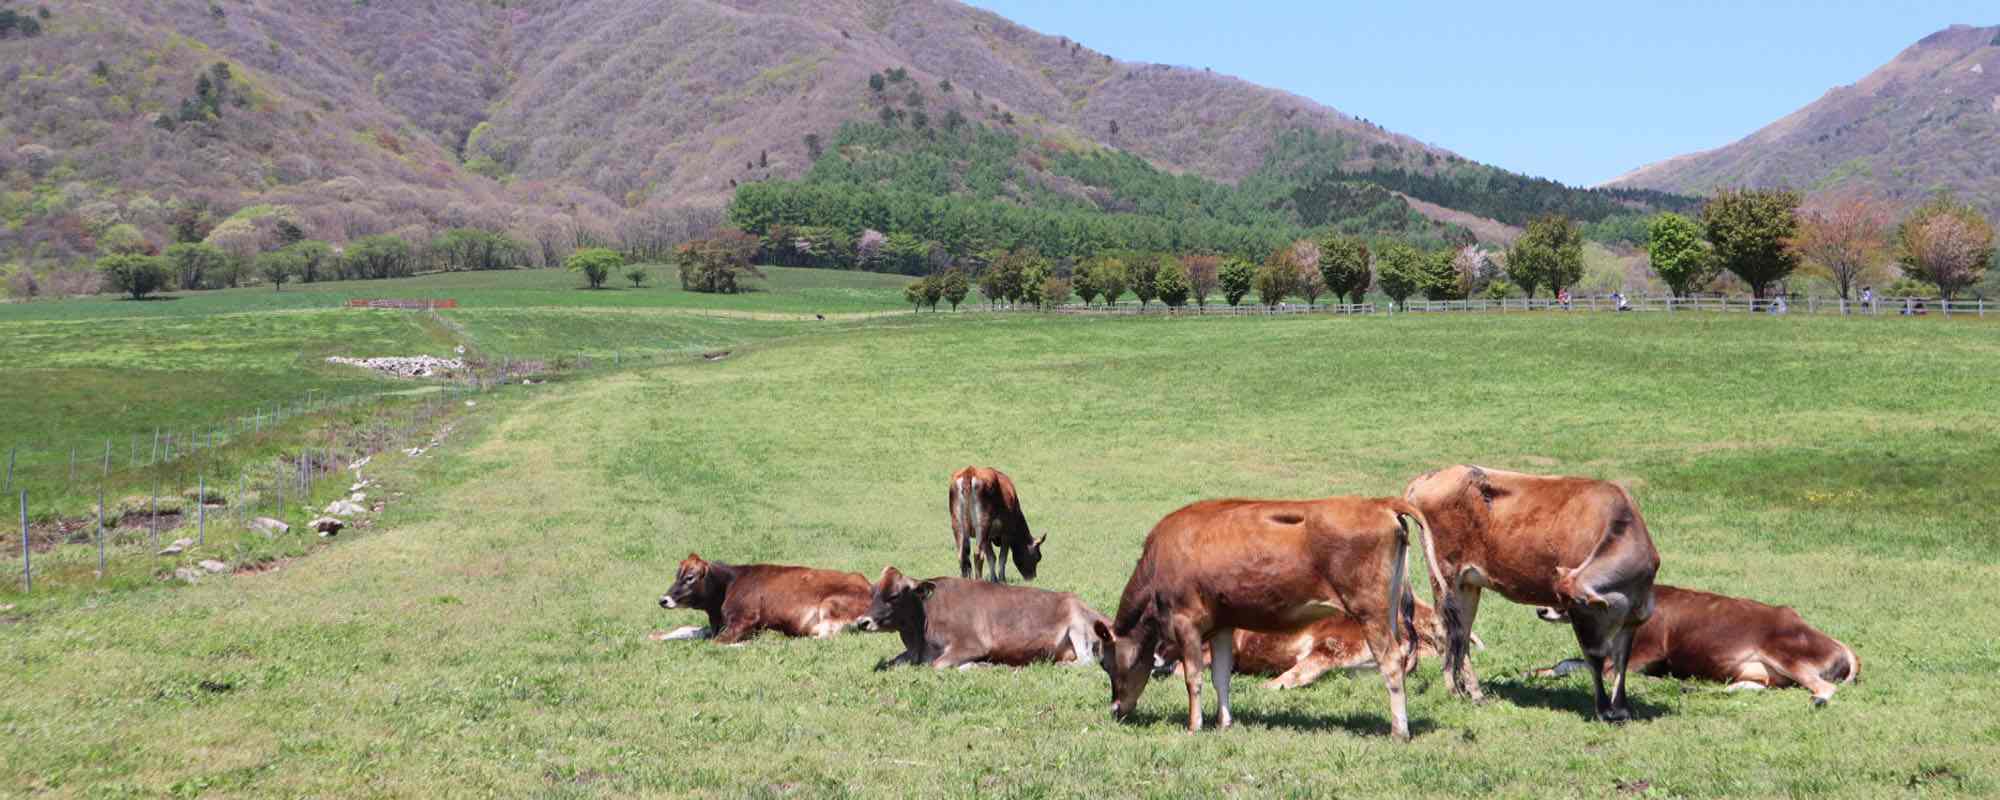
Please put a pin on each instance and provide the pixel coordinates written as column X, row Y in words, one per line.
column 985, row 511
column 951, row 622
column 1743, row 643
column 1299, row 657
column 1263, row 565
column 1571, row 543
column 741, row 600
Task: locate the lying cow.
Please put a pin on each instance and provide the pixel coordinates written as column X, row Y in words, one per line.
column 1572, row 543
column 986, row 513
column 1743, row 643
column 950, row 622
column 742, row 600
column 1299, row 657
column 1262, row 565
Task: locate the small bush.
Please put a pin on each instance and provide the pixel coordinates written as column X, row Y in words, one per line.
column 637, row 275
column 595, row 263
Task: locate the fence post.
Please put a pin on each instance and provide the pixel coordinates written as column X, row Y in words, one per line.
column 27, row 562
column 107, row 456
column 155, row 458
column 201, row 511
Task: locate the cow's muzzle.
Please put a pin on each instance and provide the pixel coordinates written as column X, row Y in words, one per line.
column 667, row 601
column 866, row 624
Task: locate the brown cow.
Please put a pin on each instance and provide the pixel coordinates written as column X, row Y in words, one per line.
column 1743, row 643
column 1571, row 543
column 985, row 510
column 741, row 600
column 1300, row 656
column 951, row 622
column 1264, row 565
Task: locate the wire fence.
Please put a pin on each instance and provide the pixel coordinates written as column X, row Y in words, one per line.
column 1900, row 306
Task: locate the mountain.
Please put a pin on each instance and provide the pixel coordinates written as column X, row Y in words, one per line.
column 1929, row 120
column 350, row 118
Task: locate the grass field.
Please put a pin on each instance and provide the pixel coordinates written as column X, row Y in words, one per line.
column 488, row 637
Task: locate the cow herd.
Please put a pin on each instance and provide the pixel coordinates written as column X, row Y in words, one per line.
column 1295, row 589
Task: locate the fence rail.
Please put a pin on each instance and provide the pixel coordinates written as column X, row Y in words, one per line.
column 1899, row 306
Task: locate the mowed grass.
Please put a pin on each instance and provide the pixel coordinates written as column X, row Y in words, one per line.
column 490, row 637
column 793, row 292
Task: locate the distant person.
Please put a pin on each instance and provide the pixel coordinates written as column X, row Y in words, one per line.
column 1909, row 306
column 1868, row 299
column 1778, row 306
column 1563, row 298
column 1623, row 303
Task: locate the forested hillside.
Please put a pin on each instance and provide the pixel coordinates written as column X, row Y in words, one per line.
column 128, row 127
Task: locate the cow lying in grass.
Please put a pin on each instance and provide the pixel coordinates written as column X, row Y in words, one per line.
column 742, row 600
column 953, row 622
column 1743, row 643
column 1301, row 656
column 1264, row 565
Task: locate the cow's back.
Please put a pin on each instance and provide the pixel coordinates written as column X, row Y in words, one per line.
column 1516, row 529
column 1013, row 625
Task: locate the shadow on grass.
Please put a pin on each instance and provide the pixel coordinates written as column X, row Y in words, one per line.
column 1576, row 698
column 1357, row 724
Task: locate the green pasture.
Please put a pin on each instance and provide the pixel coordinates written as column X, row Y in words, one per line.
column 488, row 635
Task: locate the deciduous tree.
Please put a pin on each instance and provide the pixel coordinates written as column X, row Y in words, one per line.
column 955, row 287
column 1343, row 266
column 135, row 275
column 1549, row 254
column 1680, row 254
column 595, row 264
column 1399, row 271
column 1203, row 272
column 278, row 267
column 193, row 261
column 1946, row 244
column 1171, row 281
column 1235, row 278
column 1752, row 231
column 1142, row 275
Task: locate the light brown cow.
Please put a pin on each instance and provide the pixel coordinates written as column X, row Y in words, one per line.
column 951, row 622
column 1571, row 543
column 1263, row 565
column 742, row 600
column 1743, row 643
column 1300, row 656
column 985, row 511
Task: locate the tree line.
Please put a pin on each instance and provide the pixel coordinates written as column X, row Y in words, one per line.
column 202, row 260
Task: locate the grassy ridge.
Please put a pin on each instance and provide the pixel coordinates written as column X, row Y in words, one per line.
column 492, row 639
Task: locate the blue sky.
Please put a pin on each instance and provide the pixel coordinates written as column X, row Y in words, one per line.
column 1579, row 92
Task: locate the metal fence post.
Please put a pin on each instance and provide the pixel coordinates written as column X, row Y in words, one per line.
column 107, row 456
column 27, row 561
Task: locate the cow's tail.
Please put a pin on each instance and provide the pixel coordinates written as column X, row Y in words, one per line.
column 1399, row 568
column 1846, row 670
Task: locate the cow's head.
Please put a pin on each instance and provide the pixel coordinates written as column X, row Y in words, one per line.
column 1128, row 660
column 691, row 588
column 895, row 602
column 1027, row 555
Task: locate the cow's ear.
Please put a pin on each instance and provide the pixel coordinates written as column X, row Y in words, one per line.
column 924, row 589
column 1103, row 631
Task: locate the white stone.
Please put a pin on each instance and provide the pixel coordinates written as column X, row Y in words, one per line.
column 269, row 527
column 178, row 546
column 403, row 366
column 344, row 508
column 215, row 566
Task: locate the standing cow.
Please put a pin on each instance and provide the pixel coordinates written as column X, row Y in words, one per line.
column 1743, row 643
column 986, row 511
column 741, row 600
column 951, row 622
column 1262, row 565
column 1571, row 543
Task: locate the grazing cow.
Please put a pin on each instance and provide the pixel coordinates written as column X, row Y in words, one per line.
column 1743, row 643
column 1300, row 656
column 1263, row 565
column 741, row 600
column 985, row 511
column 951, row 622
column 1572, row 543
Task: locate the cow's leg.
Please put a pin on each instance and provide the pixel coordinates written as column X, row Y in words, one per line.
column 1308, row 669
column 1000, row 561
column 1744, row 686
column 1621, row 656
column 1390, row 662
column 736, row 632
column 964, row 550
column 1221, row 662
column 1599, row 637
column 1561, row 668
column 1462, row 602
column 688, row 632
column 1189, row 640
column 955, row 657
column 1803, row 674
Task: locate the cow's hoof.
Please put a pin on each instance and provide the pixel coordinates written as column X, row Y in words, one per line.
column 1819, row 702
column 1615, row 716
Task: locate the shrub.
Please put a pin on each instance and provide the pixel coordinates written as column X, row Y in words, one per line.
column 194, row 261
column 637, row 275
column 137, row 276
column 1275, row 280
column 22, row 285
column 595, row 263
column 278, row 266
column 720, row 264
column 377, row 257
